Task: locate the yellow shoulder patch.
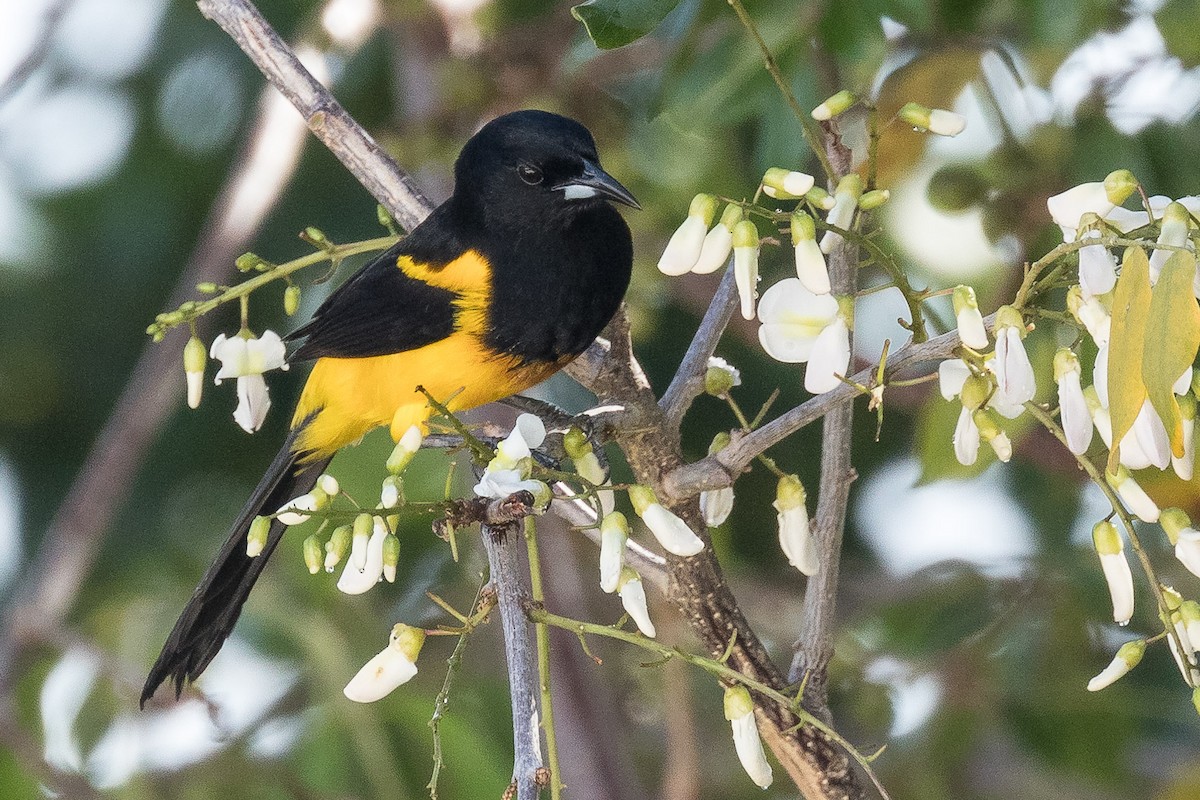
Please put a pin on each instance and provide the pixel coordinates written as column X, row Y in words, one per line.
column 468, row 272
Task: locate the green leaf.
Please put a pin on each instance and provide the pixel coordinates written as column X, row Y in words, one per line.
column 1131, row 307
column 616, row 23
column 1172, row 339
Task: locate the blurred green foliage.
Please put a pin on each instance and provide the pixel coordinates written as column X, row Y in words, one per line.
column 687, row 107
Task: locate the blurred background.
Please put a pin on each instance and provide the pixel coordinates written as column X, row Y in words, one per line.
column 139, row 154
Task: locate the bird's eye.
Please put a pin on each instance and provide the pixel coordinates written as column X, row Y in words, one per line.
column 530, row 174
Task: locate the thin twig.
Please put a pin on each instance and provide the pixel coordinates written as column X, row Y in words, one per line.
column 688, row 382
column 325, row 117
column 716, row 471
column 542, row 635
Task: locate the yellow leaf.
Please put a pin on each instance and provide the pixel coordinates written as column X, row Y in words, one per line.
column 1172, row 338
column 1131, row 307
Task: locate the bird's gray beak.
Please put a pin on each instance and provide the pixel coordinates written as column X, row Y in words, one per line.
column 595, row 182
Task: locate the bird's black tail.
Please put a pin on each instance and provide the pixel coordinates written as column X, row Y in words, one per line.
column 209, row 616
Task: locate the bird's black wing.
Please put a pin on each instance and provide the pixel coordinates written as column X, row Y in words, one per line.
column 381, row 310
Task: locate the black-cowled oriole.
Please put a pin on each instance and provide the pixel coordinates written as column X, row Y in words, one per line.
column 501, row 286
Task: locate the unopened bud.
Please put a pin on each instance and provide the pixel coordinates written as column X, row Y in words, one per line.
column 834, row 105
column 975, row 392
column 1119, row 185
column 391, row 557
column 256, row 537
column 720, row 377
column 1174, row 521
column 783, row 184
column 337, row 547
column 316, row 237
column 789, row 493
column 248, row 262
column 207, row 287
column 314, row 555
column 405, row 449
column 819, row 198
column 291, row 299
column 704, row 207
column 874, row 199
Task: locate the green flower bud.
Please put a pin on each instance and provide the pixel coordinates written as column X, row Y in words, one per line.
column 408, row 640
column 382, row 215
column 719, row 443
column 1119, row 185
column 391, row 557
column 248, row 262
column 721, row 377
column 732, row 215
column 314, row 554
column 1172, row 598
column 207, row 287
column 576, row 443
column 1106, row 539
column 704, row 207
column 1009, row 317
column 256, row 537
column 804, row 229
column 404, row 450
column 737, row 702
column 834, row 105
column 975, row 392
column 291, row 299
column 316, row 236
column 745, row 234
column 1196, row 699
column 195, row 355
column 1065, row 362
column 642, row 498
column 819, row 198
column 789, row 493
column 874, row 199
column 337, row 547
column 783, row 184
column 1174, row 521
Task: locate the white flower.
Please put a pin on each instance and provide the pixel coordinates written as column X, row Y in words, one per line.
column 508, row 473
column 672, row 533
column 1174, row 232
column 799, row 326
column 501, row 483
column 614, row 533
column 194, row 359
column 1127, row 657
column 1069, row 207
column 969, row 320
column 952, row 374
column 966, row 438
column 293, row 511
column 795, row 535
column 1152, row 436
column 830, row 358
column 716, row 505
column 1097, row 269
column 718, row 243
column 1072, row 406
column 246, row 358
column 1116, row 570
column 1185, row 538
column 739, row 710
column 395, row 665
column 406, row 447
column 745, row 264
column 356, row 579
column 1133, row 495
column 633, row 598
column 845, row 202
column 1014, row 374
column 683, row 250
column 810, row 261
column 389, row 494
column 1091, row 313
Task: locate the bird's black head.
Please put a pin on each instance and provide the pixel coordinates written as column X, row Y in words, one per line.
column 535, row 161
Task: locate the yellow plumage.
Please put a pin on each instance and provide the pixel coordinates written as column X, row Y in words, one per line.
column 351, row 396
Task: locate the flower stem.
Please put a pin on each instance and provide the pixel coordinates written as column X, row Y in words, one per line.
column 542, row 635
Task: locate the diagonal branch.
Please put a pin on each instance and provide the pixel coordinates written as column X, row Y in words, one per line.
column 324, row 115
column 688, row 382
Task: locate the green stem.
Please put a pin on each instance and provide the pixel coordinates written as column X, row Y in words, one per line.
column 542, row 634
column 1164, row 613
column 193, row 310
column 808, row 126
column 714, row 667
